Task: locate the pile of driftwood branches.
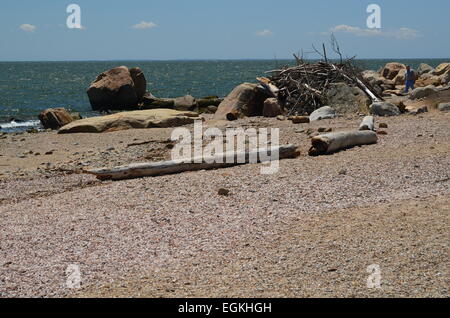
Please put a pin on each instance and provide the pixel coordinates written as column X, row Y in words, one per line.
column 302, row 89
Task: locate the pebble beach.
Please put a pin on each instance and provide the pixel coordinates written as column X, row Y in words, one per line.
column 311, row 230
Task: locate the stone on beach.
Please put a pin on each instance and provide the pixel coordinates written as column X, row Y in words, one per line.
column 160, row 118
column 300, row 119
column 422, row 92
column 444, row 107
column 346, row 98
column 272, row 108
column 116, row 89
column 424, row 68
column 245, row 100
column 325, row 112
column 185, row 103
column 384, row 109
column 428, row 79
column 390, row 70
column 54, row 118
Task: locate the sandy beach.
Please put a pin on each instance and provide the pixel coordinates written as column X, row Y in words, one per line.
column 311, row 230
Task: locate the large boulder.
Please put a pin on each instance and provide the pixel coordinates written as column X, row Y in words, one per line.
column 115, row 89
column 54, row 118
column 160, row 118
column 424, row 68
column 245, row 100
column 272, row 108
column 384, row 109
column 345, row 98
column 390, row 70
column 325, row 112
column 422, row 92
column 441, row 69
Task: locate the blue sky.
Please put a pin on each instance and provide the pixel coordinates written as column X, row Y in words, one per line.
column 220, row 29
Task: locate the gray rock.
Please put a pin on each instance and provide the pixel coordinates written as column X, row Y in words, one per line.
column 185, row 103
column 443, row 107
column 384, row 109
column 424, row 68
column 211, row 109
column 325, row 112
column 422, row 92
column 345, row 98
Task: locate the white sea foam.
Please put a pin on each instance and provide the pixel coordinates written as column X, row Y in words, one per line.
column 25, row 124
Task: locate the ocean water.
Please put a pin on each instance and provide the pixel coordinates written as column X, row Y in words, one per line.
column 27, row 88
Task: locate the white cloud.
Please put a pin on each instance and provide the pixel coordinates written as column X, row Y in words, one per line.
column 27, row 27
column 401, row 33
column 406, row 34
column 264, row 33
column 355, row 30
column 145, row 25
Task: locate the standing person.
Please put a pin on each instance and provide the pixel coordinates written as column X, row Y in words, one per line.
column 410, row 79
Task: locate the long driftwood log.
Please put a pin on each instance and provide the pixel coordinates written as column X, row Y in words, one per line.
column 332, row 142
column 204, row 163
column 368, row 123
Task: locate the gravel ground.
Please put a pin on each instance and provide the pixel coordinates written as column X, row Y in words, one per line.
column 309, row 230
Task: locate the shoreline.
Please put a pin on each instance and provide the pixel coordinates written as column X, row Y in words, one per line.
column 80, row 104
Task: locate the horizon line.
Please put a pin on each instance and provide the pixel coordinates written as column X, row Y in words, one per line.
column 219, row 59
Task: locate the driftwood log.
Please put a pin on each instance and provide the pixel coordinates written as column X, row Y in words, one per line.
column 176, row 166
column 332, row 142
column 368, row 123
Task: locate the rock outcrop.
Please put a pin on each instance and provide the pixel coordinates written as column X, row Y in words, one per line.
column 54, row 118
column 161, row 118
